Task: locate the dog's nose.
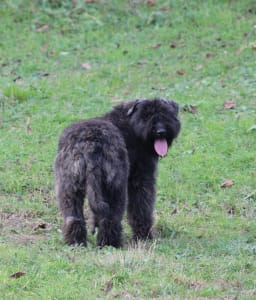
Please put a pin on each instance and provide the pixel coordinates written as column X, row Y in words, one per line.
column 160, row 131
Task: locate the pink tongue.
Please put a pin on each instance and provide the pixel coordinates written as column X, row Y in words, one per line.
column 161, row 147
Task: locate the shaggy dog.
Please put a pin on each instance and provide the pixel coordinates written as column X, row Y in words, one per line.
column 113, row 160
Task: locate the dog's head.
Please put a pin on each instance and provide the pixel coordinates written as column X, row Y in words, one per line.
column 155, row 121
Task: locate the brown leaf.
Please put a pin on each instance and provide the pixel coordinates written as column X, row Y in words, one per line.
column 180, row 72
column 191, row 108
column 17, row 275
column 17, row 78
column 173, row 45
column 231, row 210
column 42, row 28
column 229, row 104
column 156, row 46
column 86, row 66
column 198, row 67
column 209, row 55
column 174, row 211
column 254, row 47
column 40, row 226
column 165, row 8
column 150, row 2
column 116, row 100
column 239, row 51
column 227, row 183
column 108, row 287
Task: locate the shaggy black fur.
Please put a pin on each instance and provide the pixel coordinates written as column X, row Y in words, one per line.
column 113, row 160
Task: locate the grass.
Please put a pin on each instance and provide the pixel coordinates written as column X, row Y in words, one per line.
column 61, row 61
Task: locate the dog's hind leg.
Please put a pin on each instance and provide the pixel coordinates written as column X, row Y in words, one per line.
column 107, row 203
column 71, row 195
column 107, row 177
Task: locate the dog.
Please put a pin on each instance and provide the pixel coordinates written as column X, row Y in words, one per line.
column 112, row 161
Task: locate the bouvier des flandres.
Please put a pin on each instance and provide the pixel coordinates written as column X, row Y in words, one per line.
column 112, row 160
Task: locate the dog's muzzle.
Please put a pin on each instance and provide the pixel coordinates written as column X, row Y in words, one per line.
column 160, row 132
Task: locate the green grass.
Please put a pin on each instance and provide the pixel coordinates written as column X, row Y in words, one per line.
column 205, row 246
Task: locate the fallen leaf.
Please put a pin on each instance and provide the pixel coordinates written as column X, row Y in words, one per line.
column 239, row 51
column 86, row 66
column 40, row 226
column 165, row 8
column 108, row 287
column 191, row 108
column 17, row 275
column 150, row 2
column 173, row 45
column 198, row 67
column 180, row 72
column 156, row 46
column 254, row 47
column 231, row 210
column 229, row 104
column 227, row 183
column 17, row 78
column 209, row 55
column 116, row 100
column 174, row 212
column 42, row 28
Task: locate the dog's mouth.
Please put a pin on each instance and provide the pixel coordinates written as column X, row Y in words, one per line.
column 161, row 146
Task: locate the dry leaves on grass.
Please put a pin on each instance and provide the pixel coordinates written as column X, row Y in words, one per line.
column 40, row 226
column 42, row 28
column 180, row 72
column 229, row 104
column 227, row 183
column 209, row 55
column 191, row 108
column 150, row 2
column 86, row 66
column 91, row 1
column 17, row 275
column 156, row 46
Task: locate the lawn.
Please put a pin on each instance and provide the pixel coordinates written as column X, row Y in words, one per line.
column 62, row 61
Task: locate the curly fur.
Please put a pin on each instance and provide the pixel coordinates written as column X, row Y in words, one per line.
column 112, row 160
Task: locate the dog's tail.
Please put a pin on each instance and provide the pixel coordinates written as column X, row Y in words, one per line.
column 95, row 193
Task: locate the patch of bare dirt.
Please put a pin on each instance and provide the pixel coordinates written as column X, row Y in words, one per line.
column 22, row 228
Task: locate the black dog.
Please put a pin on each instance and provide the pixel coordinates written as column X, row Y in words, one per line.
column 113, row 160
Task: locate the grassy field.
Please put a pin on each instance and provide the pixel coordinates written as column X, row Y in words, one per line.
column 61, row 61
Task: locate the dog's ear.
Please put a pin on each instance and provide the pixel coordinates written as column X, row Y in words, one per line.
column 174, row 105
column 132, row 109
